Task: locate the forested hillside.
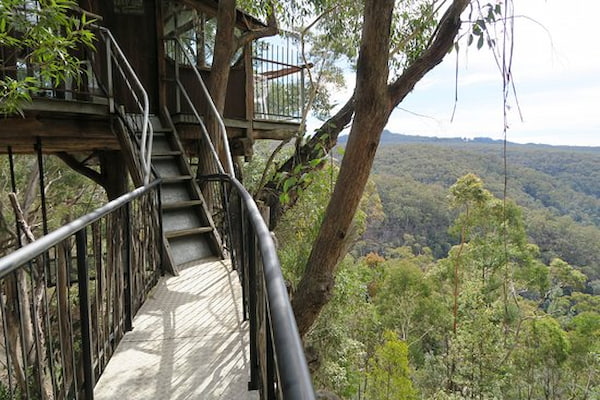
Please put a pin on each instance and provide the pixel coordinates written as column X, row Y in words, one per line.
column 558, row 188
column 452, row 292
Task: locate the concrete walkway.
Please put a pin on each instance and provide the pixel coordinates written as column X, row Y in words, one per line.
column 188, row 341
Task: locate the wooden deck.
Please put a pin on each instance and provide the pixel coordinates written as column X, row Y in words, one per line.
column 188, row 341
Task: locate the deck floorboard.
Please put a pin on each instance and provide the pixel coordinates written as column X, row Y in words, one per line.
column 188, row 342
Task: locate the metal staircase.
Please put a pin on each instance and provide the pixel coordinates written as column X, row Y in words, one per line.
column 188, row 227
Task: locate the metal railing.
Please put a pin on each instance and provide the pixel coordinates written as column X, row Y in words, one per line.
column 138, row 119
column 278, row 80
column 278, row 365
column 67, row 298
column 211, row 106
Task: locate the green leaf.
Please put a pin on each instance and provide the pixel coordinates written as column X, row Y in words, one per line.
column 470, row 40
column 284, row 198
column 289, row 183
column 315, row 162
column 480, row 43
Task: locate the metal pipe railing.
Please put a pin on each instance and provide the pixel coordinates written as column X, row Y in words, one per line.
column 114, row 52
column 205, row 133
column 285, row 374
column 213, row 108
column 21, row 256
column 96, row 287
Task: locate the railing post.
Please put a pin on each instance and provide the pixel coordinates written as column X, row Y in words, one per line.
column 243, row 257
column 177, row 89
column 84, row 312
column 109, row 77
column 127, row 270
column 270, row 355
column 252, row 308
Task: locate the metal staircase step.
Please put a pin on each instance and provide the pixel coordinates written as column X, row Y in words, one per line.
column 165, row 153
column 174, row 179
column 174, row 192
column 168, row 167
column 182, row 219
column 190, row 248
column 160, row 144
column 182, row 204
column 188, row 232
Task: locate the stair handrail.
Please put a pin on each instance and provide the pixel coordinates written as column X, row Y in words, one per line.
column 114, row 52
column 212, row 107
column 21, row 256
column 293, row 376
column 211, row 146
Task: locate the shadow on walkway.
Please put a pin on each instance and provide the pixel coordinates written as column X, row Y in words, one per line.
column 188, row 341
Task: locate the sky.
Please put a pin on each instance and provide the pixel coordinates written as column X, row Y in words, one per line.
column 556, row 74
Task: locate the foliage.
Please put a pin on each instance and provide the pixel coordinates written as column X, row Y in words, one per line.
column 42, row 36
column 345, row 335
column 552, row 184
column 298, row 230
column 389, row 375
column 525, row 330
column 68, row 195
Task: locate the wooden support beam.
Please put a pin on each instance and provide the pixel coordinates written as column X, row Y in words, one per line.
column 69, row 134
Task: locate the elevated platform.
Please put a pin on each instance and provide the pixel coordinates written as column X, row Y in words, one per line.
column 188, row 341
column 62, row 125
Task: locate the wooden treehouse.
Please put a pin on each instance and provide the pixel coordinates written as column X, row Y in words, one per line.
column 141, row 123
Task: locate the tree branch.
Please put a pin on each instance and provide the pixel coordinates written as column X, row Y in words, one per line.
column 251, row 35
column 77, row 166
column 325, row 138
column 441, row 43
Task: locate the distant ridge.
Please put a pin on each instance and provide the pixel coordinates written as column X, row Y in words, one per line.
column 388, row 137
column 391, row 138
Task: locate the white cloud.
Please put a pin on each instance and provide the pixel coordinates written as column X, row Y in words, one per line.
column 556, row 70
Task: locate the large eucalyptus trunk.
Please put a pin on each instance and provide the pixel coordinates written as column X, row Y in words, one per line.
column 371, row 115
column 372, row 103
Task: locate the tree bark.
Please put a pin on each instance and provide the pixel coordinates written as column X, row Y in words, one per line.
column 35, row 337
column 372, row 112
column 373, row 102
column 113, row 171
column 225, row 45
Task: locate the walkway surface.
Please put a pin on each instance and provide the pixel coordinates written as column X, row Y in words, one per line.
column 188, row 341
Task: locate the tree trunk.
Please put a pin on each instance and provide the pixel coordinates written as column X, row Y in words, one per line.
column 225, row 45
column 33, row 322
column 373, row 102
column 326, row 137
column 372, row 112
column 114, row 173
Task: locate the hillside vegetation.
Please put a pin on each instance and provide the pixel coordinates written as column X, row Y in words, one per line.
column 557, row 187
column 449, row 291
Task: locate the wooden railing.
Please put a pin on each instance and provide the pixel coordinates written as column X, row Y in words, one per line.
column 67, row 298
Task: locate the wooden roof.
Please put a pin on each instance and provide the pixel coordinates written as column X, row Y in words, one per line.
column 244, row 20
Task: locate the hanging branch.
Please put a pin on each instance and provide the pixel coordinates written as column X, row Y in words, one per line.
column 81, row 168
